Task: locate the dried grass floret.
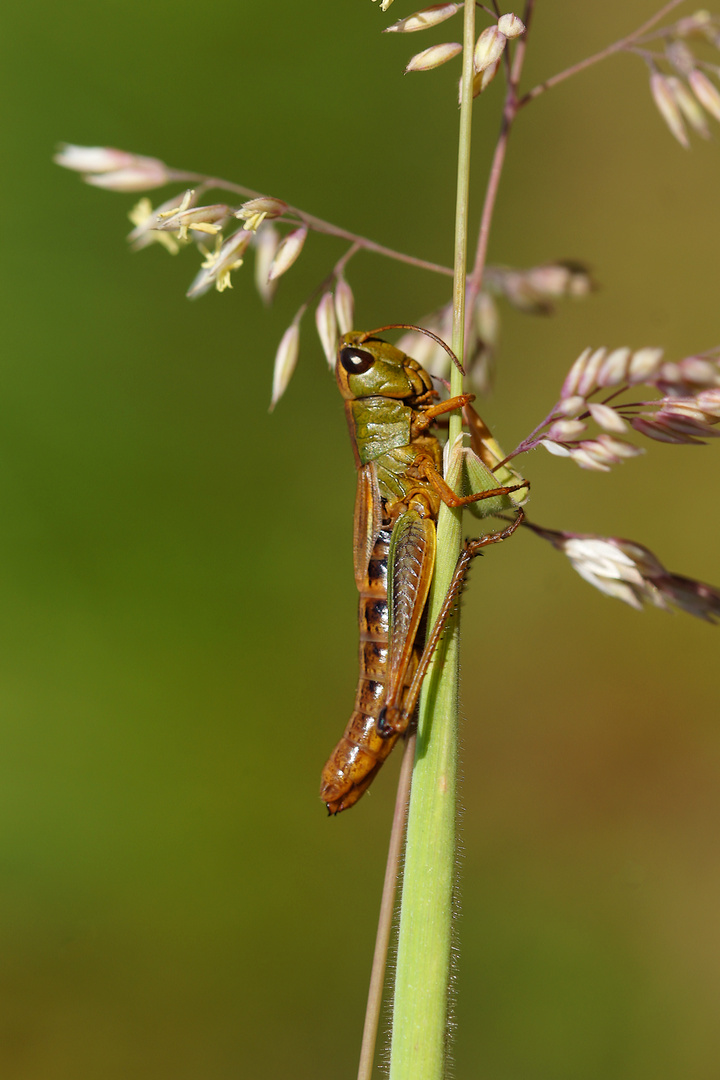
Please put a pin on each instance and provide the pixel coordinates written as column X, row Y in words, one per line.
column 630, row 572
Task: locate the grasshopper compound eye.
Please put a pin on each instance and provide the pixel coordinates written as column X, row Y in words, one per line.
column 355, row 361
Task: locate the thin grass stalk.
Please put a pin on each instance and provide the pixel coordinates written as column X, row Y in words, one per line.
column 420, row 1011
column 385, row 918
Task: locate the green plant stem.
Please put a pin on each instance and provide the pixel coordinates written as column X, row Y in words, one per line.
column 420, row 1010
column 510, row 109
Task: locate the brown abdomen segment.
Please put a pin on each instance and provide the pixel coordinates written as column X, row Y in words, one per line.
column 355, row 760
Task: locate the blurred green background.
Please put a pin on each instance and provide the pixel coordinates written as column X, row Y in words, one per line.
column 177, row 625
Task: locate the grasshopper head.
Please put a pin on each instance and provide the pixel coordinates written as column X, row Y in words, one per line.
column 369, row 367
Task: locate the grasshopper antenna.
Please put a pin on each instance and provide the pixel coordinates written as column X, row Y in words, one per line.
column 418, row 330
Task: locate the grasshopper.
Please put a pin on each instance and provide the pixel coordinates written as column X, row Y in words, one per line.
column 390, row 404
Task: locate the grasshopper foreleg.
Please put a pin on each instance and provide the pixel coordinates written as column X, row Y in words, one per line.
column 428, row 415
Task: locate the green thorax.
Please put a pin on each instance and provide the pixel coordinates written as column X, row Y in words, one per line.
column 383, row 390
column 377, row 425
column 380, row 430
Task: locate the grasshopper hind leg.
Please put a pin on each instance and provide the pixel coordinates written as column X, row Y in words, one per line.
column 392, row 721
